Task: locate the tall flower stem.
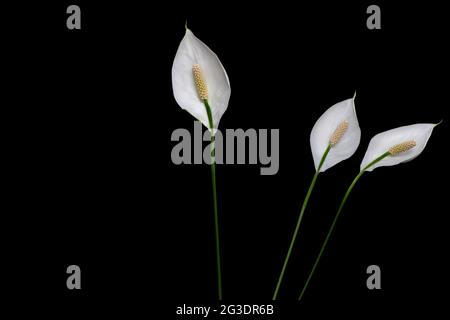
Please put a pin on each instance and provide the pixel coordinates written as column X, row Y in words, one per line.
column 347, row 193
column 214, row 190
column 299, row 220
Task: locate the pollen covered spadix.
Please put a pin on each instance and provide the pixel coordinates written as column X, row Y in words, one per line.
column 339, row 132
column 402, row 147
column 200, row 83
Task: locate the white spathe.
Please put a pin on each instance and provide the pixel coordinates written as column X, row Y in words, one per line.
column 192, row 51
column 383, row 141
column 324, row 128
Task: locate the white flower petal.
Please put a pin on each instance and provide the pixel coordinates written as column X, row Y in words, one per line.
column 190, row 52
column 383, row 141
column 324, row 129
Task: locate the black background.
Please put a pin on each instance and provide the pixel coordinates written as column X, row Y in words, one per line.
column 88, row 117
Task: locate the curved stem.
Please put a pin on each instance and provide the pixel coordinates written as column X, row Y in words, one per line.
column 214, row 191
column 347, row 193
column 329, row 233
column 299, row 220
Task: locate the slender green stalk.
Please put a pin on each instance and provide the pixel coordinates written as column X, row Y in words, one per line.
column 347, row 193
column 299, row 220
column 214, row 190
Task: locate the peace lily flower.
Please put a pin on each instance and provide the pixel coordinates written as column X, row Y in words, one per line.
column 199, row 81
column 201, row 86
column 334, row 138
column 402, row 144
column 385, row 149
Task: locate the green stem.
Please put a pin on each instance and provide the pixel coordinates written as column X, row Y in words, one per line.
column 214, row 190
column 299, row 220
column 347, row 193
